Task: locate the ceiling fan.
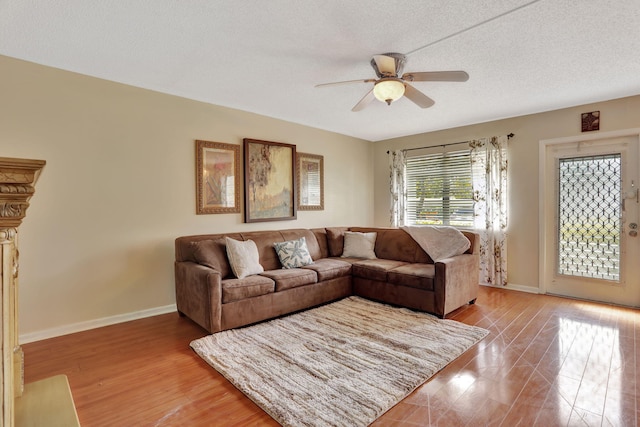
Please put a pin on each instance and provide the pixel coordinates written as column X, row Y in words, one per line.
column 389, row 86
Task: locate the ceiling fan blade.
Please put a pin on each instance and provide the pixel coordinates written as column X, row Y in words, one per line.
column 346, row 82
column 419, row 98
column 366, row 100
column 386, row 64
column 436, row 76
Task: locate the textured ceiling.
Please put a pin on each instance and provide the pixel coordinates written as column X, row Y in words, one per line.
column 522, row 56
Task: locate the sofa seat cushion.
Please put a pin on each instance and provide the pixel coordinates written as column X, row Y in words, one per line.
column 350, row 260
column 375, row 269
column 329, row 268
column 419, row 276
column 251, row 286
column 291, row 277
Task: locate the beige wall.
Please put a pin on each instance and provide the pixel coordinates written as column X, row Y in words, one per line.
column 523, row 169
column 97, row 243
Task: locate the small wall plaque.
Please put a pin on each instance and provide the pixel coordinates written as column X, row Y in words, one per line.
column 591, row 121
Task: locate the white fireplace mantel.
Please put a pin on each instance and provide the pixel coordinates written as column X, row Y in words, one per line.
column 22, row 406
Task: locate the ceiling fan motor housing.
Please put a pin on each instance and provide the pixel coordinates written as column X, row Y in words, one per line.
column 400, row 60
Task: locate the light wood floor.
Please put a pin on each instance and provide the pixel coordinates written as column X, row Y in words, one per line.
column 548, row 361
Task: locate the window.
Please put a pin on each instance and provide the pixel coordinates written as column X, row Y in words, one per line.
column 439, row 189
column 589, row 216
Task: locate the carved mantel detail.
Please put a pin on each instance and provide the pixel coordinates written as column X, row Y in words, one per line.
column 7, row 234
column 17, row 184
column 17, row 180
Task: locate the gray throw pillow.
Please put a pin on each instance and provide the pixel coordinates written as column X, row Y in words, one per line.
column 293, row 253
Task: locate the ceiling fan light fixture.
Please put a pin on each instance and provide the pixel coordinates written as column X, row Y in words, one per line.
column 388, row 90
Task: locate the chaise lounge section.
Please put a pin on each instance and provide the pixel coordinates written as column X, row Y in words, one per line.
column 401, row 274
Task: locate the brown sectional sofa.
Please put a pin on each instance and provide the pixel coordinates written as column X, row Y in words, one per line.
column 403, row 274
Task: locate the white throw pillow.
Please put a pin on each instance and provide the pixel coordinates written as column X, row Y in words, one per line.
column 293, row 253
column 243, row 257
column 359, row 245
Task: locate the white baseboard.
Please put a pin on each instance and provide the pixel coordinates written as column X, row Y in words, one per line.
column 516, row 287
column 120, row 318
column 92, row 324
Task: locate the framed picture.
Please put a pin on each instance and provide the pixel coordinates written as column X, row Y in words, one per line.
column 310, row 174
column 269, row 184
column 217, row 178
column 590, row 121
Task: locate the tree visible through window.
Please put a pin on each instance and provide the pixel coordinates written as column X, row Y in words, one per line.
column 439, row 189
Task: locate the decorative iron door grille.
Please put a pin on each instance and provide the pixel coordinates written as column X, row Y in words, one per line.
column 589, row 217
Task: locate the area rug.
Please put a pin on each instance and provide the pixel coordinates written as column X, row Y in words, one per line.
column 342, row 364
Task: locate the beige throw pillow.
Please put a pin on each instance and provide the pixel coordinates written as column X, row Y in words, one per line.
column 359, row 245
column 243, row 257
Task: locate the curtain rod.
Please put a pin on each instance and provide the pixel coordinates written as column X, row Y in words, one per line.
column 509, row 136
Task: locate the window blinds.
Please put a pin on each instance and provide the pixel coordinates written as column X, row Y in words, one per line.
column 439, row 189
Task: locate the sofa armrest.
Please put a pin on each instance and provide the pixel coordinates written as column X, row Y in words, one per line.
column 199, row 294
column 456, row 282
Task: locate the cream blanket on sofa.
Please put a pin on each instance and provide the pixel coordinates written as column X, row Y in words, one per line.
column 439, row 242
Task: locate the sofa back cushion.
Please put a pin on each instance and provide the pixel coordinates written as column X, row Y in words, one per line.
column 335, row 240
column 321, row 240
column 264, row 241
column 396, row 244
column 311, row 237
column 391, row 243
column 212, row 252
column 185, row 249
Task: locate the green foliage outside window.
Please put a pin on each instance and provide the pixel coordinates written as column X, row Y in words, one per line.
column 439, row 190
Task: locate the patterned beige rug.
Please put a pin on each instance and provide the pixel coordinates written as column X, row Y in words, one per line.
column 343, row 364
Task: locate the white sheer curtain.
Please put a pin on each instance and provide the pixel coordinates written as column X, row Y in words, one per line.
column 397, row 165
column 489, row 169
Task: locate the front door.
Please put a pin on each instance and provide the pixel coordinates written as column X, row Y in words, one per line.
column 590, row 235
